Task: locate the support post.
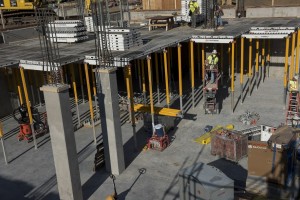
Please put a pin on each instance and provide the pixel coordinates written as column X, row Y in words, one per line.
column 242, row 70
column 81, row 83
column 292, row 67
column 269, row 58
column 180, row 76
column 75, row 93
column 150, row 88
column 256, row 63
column 95, row 91
column 128, row 76
column 87, row 78
column 297, row 52
column 232, row 76
column 63, row 141
column 203, row 60
column 139, row 74
column 287, row 41
column 166, row 78
column 192, row 72
column 199, row 61
column 37, row 87
column 144, row 82
column 157, row 78
column 110, row 120
column 19, row 89
column 250, row 67
column 28, row 106
column 222, row 65
column 263, row 61
column 2, row 143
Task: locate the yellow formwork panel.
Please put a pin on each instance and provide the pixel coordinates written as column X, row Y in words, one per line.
column 157, row 110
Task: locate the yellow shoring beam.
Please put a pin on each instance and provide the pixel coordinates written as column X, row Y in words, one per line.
column 75, row 92
column 297, row 52
column 157, row 77
column 232, row 76
column 139, row 74
column 250, row 59
column 150, row 87
column 89, row 90
column 28, row 105
column 144, row 81
column 166, row 78
column 263, row 53
column 94, row 82
column 19, row 89
column 180, row 74
column 192, row 71
column 286, row 64
column 242, row 62
column 292, row 67
column 256, row 56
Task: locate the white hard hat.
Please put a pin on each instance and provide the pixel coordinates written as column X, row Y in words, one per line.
column 214, row 51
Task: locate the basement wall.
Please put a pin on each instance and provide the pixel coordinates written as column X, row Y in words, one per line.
column 273, row 12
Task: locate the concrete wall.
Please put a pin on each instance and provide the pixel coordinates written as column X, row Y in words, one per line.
column 229, row 13
column 273, row 12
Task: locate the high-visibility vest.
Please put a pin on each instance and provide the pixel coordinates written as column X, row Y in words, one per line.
column 213, row 59
column 293, row 86
column 193, row 5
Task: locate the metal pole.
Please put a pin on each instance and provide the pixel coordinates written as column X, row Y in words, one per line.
column 37, row 87
column 95, row 92
column 128, row 77
column 242, row 70
column 90, row 100
column 19, row 89
column 297, row 53
column 75, row 93
column 268, row 57
column 192, row 72
column 2, row 142
column 232, row 76
column 150, row 88
column 81, row 83
column 203, row 60
column 28, row 106
column 166, row 78
column 139, row 74
column 157, row 78
column 2, row 19
column 287, row 41
column 256, row 63
column 180, row 76
column 292, row 67
column 263, row 60
column 144, row 82
column 250, row 67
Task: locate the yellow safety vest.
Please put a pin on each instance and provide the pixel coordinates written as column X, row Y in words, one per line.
column 213, row 59
column 193, row 5
column 293, row 86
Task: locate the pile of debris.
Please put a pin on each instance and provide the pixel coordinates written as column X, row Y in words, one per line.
column 249, row 118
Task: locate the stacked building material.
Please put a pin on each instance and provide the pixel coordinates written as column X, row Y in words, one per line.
column 229, row 144
column 67, row 31
column 89, row 24
column 121, row 39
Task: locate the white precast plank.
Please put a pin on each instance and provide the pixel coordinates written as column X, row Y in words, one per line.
column 69, row 40
column 67, row 35
column 65, row 25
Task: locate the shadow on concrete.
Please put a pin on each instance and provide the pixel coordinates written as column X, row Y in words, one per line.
column 123, row 195
column 240, row 96
column 222, row 94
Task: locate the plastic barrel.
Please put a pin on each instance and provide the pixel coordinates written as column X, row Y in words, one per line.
column 159, row 129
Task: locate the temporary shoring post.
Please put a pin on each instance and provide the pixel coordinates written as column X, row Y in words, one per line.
column 232, row 76
column 222, row 64
column 144, row 82
column 166, row 78
column 19, row 89
column 297, row 53
column 90, row 100
column 250, row 67
column 37, row 84
column 287, row 41
column 192, row 72
column 95, row 91
column 128, row 76
column 28, row 105
column 150, row 87
column 81, row 83
column 180, row 76
column 203, row 60
column 75, row 93
column 242, row 69
column 2, row 142
column 256, row 63
column 229, row 60
column 292, row 67
column 268, row 56
column 263, row 60
column 199, row 61
column 139, row 74
column 157, row 78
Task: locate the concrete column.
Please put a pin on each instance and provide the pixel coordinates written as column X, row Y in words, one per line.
column 63, row 141
column 110, row 120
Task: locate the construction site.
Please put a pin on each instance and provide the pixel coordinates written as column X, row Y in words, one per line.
column 149, row 100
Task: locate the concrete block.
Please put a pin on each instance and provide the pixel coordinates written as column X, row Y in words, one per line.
column 229, row 13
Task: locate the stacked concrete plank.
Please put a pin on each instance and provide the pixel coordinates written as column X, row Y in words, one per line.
column 89, row 24
column 121, row 39
column 67, row 31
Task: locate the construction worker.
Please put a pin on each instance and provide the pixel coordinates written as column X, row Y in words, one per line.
column 218, row 14
column 194, row 10
column 212, row 63
column 294, row 85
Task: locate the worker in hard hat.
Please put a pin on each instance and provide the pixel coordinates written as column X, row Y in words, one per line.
column 194, row 10
column 218, row 16
column 211, row 64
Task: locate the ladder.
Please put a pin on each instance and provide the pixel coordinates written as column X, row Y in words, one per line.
column 292, row 114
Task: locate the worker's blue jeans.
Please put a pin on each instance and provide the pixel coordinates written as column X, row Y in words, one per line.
column 218, row 21
column 212, row 77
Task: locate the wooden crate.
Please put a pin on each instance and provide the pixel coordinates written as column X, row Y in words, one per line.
column 161, row 4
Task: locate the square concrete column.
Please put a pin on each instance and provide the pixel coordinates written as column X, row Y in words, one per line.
column 110, row 120
column 63, row 141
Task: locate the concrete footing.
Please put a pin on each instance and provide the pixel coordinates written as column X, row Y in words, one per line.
column 63, row 141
